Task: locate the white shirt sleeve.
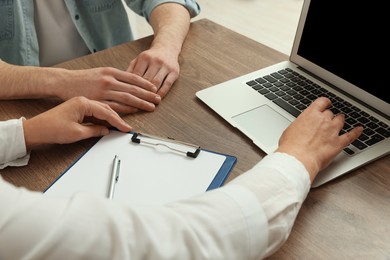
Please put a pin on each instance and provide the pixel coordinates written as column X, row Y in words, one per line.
column 281, row 184
column 238, row 221
column 12, row 145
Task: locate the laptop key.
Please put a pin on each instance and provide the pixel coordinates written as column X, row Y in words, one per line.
column 359, row 144
column 374, row 139
column 383, row 132
column 270, row 78
column 270, row 96
column 349, row 151
column 286, row 106
column 251, row 83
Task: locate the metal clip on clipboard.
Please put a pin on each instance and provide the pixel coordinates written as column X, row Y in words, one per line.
column 158, row 141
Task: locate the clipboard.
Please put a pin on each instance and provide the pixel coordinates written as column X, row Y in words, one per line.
column 154, row 171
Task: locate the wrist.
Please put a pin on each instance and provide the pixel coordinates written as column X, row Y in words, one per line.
column 33, row 136
column 167, row 46
column 54, row 82
column 308, row 162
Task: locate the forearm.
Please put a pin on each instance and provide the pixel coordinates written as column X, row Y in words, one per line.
column 18, row 82
column 170, row 23
column 215, row 225
column 280, row 183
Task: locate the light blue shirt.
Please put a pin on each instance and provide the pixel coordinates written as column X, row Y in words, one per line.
column 101, row 23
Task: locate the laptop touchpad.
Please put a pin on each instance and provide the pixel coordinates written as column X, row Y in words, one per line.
column 263, row 124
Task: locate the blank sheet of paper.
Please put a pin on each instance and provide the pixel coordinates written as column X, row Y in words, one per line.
column 148, row 176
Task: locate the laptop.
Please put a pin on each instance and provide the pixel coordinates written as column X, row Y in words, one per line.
column 336, row 53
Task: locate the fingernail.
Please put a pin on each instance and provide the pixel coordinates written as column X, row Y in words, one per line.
column 154, row 89
column 158, row 99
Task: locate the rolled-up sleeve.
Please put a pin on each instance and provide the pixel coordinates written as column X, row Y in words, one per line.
column 145, row 8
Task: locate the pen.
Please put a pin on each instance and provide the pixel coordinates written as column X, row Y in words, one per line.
column 114, row 176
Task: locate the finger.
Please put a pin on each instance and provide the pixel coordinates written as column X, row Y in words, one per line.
column 104, row 107
column 351, row 136
column 88, row 131
column 321, row 103
column 163, row 91
column 161, row 76
column 139, row 100
column 104, row 112
column 121, row 108
column 134, row 80
column 151, row 74
column 127, row 94
column 339, row 119
column 140, row 67
column 167, row 85
column 132, row 65
column 329, row 114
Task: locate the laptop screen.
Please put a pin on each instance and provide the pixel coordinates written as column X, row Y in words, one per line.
column 346, row 39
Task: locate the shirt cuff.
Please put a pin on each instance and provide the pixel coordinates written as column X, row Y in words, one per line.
column 191, row 5
column 13, row 148
column 290, row 167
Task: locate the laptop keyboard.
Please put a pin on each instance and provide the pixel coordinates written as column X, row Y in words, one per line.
column 293, row 92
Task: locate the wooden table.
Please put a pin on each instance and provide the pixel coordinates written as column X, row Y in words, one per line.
column 344, row 219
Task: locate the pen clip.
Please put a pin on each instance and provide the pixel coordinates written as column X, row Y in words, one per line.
column 157, row 141
column 117, row 171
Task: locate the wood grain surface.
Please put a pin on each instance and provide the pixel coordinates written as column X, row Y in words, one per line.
column 348, row 218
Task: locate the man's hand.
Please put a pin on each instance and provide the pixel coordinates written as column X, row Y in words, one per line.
column 313, row 138
column 158, row 66
column 123, row 91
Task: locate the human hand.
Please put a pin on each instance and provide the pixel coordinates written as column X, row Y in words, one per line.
column 123, row 91
column 157, row 65
column 313, row 138
column 65, row 123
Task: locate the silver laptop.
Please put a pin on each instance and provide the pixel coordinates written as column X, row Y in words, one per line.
column 336, row 53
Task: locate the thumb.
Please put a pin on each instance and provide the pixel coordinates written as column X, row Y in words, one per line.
column 131, row 66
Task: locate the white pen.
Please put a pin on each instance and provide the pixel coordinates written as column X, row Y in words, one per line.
column 114, row 176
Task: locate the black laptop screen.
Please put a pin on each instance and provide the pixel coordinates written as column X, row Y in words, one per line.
column 347, row 38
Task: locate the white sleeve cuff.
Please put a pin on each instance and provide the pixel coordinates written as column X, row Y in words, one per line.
column 12, row 145
column 291, row 168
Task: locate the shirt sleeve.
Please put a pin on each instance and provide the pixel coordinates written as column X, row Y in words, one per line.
column 146, row 7
column 281, row 184
column 12, row 145
column 232, row 222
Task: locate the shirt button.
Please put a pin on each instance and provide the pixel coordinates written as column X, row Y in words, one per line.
column 76, row 17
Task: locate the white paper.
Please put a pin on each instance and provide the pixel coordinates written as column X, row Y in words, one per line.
column 148, row 176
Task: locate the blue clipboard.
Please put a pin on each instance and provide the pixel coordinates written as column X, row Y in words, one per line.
column 170, row 177
column 193, row 151
column 223, row 172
